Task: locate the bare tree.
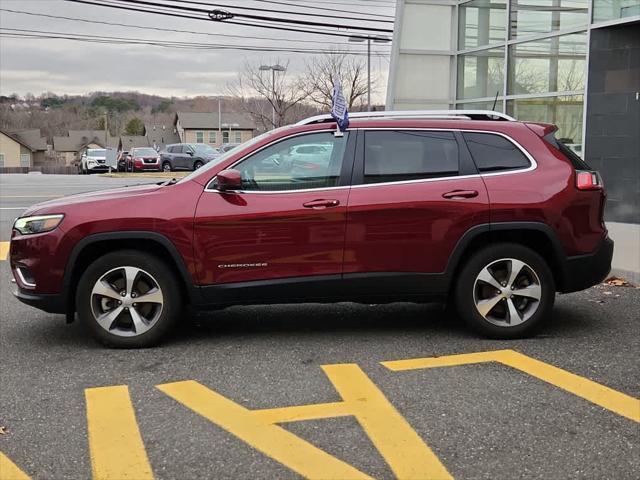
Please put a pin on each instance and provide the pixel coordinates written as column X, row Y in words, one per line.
column 352, row 72
column 263, row 94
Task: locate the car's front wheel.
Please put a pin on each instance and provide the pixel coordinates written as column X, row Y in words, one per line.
column 505, row 291
column 197, row 165
column 128, row 299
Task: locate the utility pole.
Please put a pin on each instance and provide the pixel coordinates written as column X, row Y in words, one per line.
column 274, row 69
column 358, row 38
column 219, row 122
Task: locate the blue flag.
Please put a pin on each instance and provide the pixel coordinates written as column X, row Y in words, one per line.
column 339, row 108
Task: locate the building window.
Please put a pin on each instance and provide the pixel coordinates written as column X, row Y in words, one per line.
column 199, row 137
column 238, row 136
column 481, row 22
column 496, row 105
column 225, row 137
column 533, row 17
column 212, row 136
column 563, row 111
column 552, row 65
column 1, row 160
column 604, row 10
column 25, row 160
column 481, row 74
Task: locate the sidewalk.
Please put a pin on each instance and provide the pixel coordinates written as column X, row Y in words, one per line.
column 626, row 253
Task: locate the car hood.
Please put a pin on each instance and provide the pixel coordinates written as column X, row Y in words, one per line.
column 59, row 204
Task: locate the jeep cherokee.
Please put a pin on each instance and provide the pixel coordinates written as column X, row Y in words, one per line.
column 473, row 208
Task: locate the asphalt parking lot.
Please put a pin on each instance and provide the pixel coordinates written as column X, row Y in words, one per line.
column 212, row 402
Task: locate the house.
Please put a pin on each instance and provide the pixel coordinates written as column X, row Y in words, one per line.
column 68, row 148
column 22, row 148
column 159, row 137
column 127, row 142
column 208, row 128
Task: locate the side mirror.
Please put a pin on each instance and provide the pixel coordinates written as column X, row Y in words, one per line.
column 190, row 153
column 229, row 180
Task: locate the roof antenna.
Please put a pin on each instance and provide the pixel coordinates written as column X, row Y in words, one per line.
column 493, row 109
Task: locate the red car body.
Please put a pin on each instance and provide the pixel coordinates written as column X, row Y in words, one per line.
column 140, row 160
column 358, row 242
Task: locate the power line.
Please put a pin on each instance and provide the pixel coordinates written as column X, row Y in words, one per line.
column 255, row 17
column 324, row 9
column 27, row 33
column 206, row 19
column 305, row 14
column 144, row 27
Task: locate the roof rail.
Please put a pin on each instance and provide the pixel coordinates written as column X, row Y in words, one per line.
column 417, row 114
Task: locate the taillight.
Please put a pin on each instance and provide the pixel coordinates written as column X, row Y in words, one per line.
column 588, row 180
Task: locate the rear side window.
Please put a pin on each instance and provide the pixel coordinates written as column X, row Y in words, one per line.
column 577, row 162
column 494, row 153
column 394, row 156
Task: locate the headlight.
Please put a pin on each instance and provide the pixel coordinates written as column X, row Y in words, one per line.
column 37, row 224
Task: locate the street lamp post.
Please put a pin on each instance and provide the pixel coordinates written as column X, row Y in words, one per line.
column 274, row 69
column 358, row 38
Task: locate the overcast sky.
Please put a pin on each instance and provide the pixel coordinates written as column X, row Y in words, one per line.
column 70, row 67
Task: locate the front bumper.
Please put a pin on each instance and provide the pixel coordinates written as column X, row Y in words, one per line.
column 584, row 271
column 50, row 303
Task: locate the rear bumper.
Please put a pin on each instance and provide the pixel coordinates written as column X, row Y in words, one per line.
column 50, row 303
column 584, row 271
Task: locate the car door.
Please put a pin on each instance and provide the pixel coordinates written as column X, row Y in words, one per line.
column 277, row 227
column 415, row 193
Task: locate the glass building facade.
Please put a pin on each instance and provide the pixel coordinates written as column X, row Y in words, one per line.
column 529, row 57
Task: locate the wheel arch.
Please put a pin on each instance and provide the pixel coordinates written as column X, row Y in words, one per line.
column 93, row 246
column 537, row 236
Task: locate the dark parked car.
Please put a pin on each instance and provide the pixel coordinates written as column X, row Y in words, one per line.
column 142, row 159
column 123, row 161
column 473, row 208
column 187, row 156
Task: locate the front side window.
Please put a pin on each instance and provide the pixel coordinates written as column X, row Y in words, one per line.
column 199, row 137
column 493, row 153
column 394, row 156
column 283, row 167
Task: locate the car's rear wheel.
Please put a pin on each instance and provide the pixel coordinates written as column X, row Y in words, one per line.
column 505, row 291
column 128, row 299
column 197, row 165
column 166, row 167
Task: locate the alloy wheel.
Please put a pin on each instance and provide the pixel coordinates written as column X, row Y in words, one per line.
column 126, row 301
column 507, row 292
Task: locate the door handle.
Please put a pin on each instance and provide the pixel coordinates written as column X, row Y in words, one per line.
column 456, row 194
column 321, row 203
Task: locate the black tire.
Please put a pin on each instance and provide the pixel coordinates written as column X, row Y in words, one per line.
column 465, row 292
column 198, row 164
column 162, row 274
column 166, row 167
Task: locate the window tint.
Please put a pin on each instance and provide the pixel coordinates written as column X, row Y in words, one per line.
column 494, row 153
column 409, row 155
column 282, row 167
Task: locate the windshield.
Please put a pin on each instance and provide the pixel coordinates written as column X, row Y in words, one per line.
column 96, row 152
column 203, row 149
column 144, row 151
column 226, row 155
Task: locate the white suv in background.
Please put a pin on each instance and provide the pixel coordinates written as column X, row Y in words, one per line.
column 93, row 160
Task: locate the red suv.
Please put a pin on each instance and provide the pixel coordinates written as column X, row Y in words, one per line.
column 492, row 215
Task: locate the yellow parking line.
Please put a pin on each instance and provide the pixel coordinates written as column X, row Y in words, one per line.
column 4, row 250
column 10, row 471
column 115, row 444
column 608, row 398
column 272, row 440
